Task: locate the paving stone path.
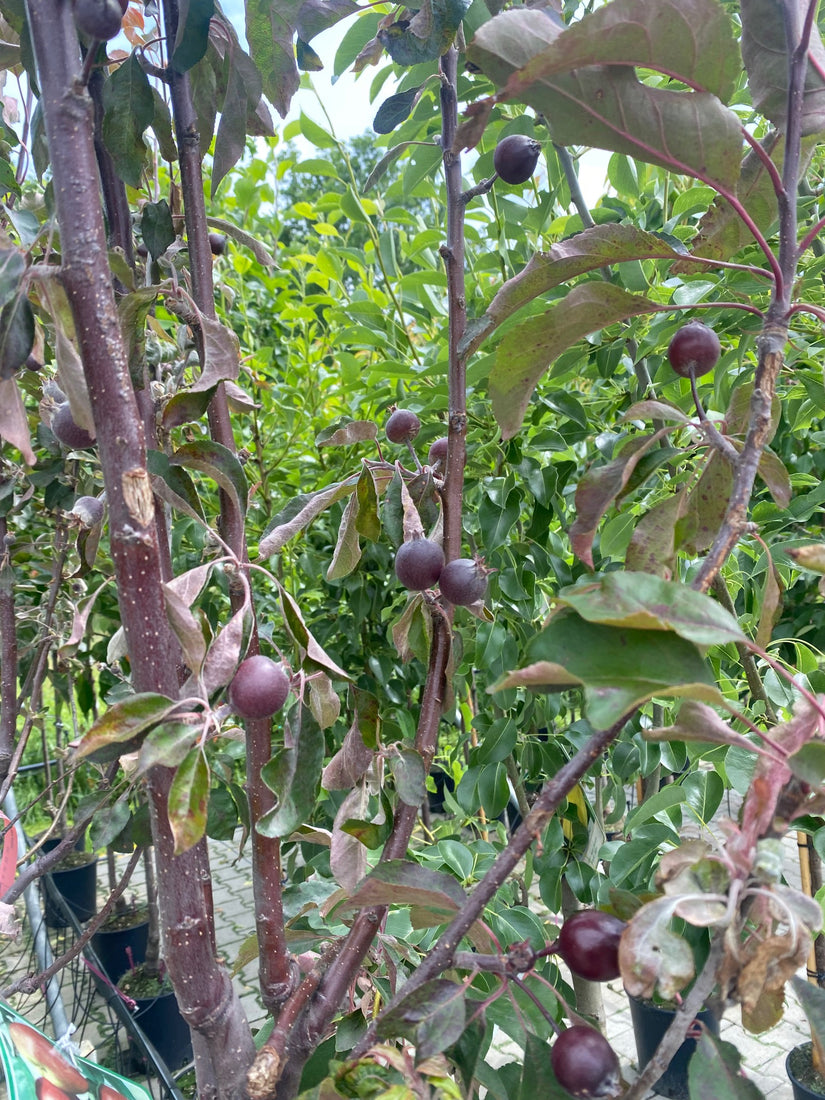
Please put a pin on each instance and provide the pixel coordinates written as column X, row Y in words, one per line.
column 763, row 1056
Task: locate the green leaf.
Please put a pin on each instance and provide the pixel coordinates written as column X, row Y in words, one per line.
column 619, row 669
column 128, row 108
column 294, row 775
column 162, row 127
column 12, row 267
column 808, row 763
column 193, row 33
column 607, row 107
column 812, row 999
column 16, row 335
column 426, row 36
column 527, row 349
column 156, row 227
column 715, row 1072
column 383, row 164
column 367, row 522
column 188, row 800
column 119, row 730
column 397, row 882
column 395, row 110
column 703, row 792
column 186, row 407
column 347, row 551
column 432, row 1017
column 645, row 602
column 173, row 484
column 310, row 651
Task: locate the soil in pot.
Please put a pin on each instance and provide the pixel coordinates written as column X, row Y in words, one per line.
column 650, row 1022
column 159, row 1017
column 75, row 878
column 120, row 943
column 807, row 1083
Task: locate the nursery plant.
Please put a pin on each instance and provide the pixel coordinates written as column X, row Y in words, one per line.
column 291, row 595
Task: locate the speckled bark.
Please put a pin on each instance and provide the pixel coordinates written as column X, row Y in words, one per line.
column 203, row 988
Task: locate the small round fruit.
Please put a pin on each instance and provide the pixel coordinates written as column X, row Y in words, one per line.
column 418, row 564
column 100, row 19
column 438, row 451
column 584, row 1062
column 217, row 242
column 89, row 510
column 259, row 688
column 403, row 426
column 516, row 157
column 68, row 431
column 589, row 944
column 463, row 581
column 694, row 350
column 33, row 363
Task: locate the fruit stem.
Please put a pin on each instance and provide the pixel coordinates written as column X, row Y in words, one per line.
column 715, row 437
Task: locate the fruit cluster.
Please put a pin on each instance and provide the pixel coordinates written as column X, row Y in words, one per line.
column 583, row 1061
column 419, row 563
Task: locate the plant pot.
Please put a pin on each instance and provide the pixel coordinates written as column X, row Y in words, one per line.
column 650, row 1022
column 160, row 1020
column 806, row 1083
column 77, row 886
column 118, row 949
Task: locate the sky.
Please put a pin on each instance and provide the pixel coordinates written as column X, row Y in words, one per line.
column 348, row 106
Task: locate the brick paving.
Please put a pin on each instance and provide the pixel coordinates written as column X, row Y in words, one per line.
column 763, row 1056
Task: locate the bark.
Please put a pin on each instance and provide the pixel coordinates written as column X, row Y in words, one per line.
column 204, row 989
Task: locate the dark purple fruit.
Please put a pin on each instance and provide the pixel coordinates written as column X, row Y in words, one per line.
column 438, row 451
column 33, row 363
column 589, row 944
column 403, row 426
column 516, row 157
column 463, row 581
column 217, row 242
column 99, row 19
column 585, row 1063
column 694, row 350
column 259, row 688
column 89, row 510
column 418, row 564
column 68, row 431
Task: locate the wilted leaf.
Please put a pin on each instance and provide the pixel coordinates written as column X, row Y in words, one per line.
column 156, row 227
column 347, row 551
column 698, row 722
column 246, row 240
column 589, row 250
column 652, row 546
column 14, row 425
column 426, row 36
column 432, row 1017
column 527, row 349
column 652, row 957
column 397, row 882
column 269, row 32
column 606, row 107
column 347, row 855
column 349, row 764
column 645, row 602
column 299, row 513
column 119, row 729
column 412, row 630
column 770, row 604
column 224, row 652
column 323, row 701
column 217, row 462
column 294, row 776
column 597, row 490
column 16, row 335
column 765, row 52
column 687, row 39
column 188, row 800
column 309, row 648
column 410, row 777
column 808, row 763
column 715, row 1073
column 345, row 433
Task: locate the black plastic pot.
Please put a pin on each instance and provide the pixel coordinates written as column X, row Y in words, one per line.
column 77, row 886
column 797, row 1064
column 160, row 1020
column 650, row 1022
column 120, row 949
